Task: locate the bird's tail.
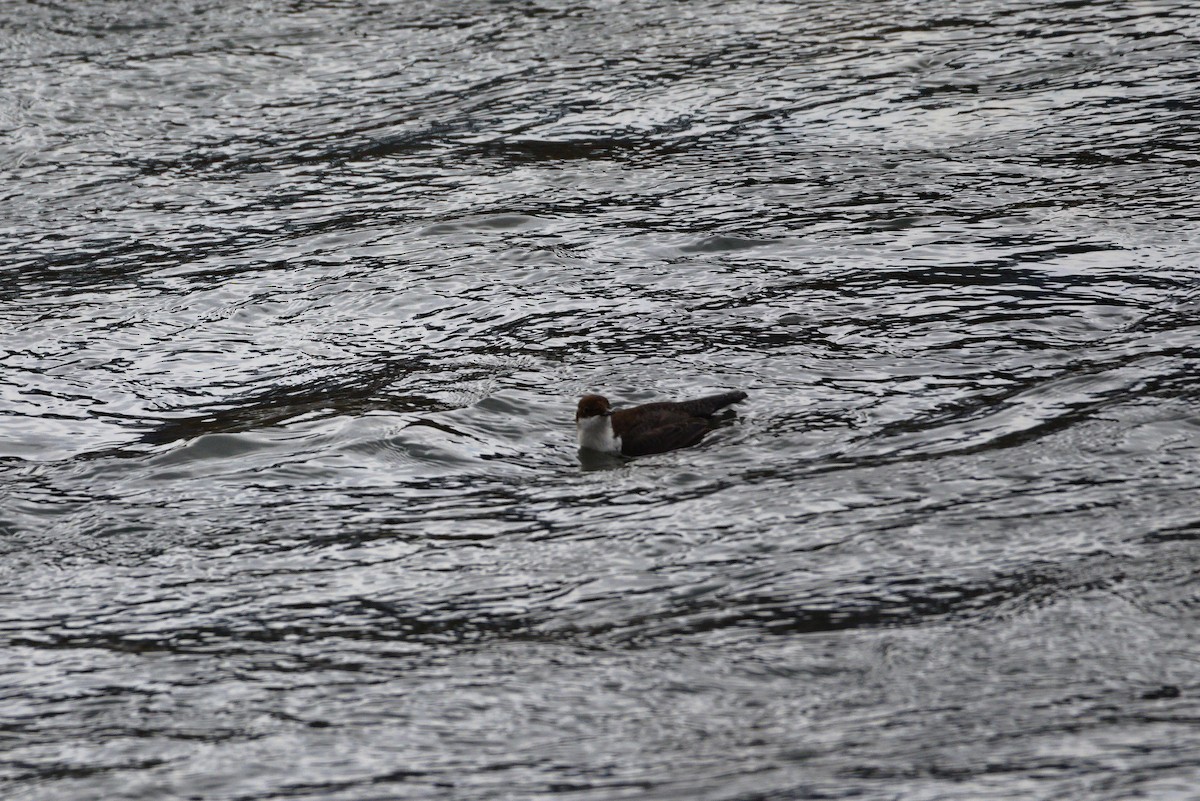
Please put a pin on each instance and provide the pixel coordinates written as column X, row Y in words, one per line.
column 708, row 406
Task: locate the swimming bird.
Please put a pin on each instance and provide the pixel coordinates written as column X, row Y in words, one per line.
column 649, row 428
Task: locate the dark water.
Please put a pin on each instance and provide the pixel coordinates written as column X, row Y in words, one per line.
column 296, row 299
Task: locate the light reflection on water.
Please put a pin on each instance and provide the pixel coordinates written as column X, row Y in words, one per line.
column 298, row 302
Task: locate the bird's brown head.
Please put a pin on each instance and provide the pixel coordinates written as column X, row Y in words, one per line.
column 592, row 406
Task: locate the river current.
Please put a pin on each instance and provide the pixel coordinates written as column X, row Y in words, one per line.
column 297, row 299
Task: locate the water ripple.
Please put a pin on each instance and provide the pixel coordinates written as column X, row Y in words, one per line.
column 298, row 300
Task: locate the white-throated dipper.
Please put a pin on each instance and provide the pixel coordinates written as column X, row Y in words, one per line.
column 649, row 428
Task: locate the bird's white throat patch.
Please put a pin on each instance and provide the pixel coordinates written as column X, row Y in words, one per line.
column 596, row 434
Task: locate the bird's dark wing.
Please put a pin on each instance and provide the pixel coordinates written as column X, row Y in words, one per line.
column 697, row 407
column 709, row 405
column 657, row 438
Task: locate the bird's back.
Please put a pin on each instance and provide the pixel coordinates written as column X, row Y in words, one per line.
column 667, row 425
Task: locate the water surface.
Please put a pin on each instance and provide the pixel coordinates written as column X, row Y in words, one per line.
column 296, row 299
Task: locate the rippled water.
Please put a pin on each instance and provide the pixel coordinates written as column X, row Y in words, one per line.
column 297, row 299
